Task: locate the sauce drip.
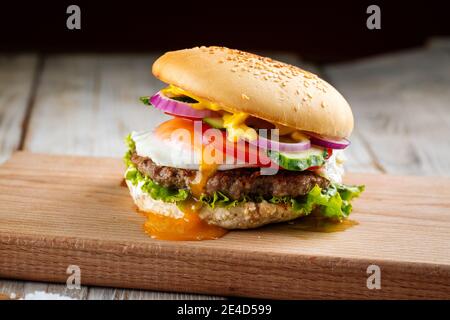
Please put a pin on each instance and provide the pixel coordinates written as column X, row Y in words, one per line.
column 205, row 172
column 319, row 224
column 208, row 166
column 189, row 227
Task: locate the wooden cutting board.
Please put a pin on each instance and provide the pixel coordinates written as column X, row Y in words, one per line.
column 57, row 211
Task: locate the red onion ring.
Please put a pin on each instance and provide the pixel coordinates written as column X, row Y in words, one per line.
column 268, row 144
column 318, row 140
column 179, row 108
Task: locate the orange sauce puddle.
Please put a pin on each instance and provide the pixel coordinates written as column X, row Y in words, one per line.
column 189, row 227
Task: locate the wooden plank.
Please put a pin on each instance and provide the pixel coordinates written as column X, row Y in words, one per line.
column 21, row 288
column 439, row 43
column 11, row 289
column 87, row 104
column 97, row 293
column 77, row 212
column 62, row 290
column 17, row 73
column 400, row 103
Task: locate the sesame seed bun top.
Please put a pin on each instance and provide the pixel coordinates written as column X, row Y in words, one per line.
column 243, row 82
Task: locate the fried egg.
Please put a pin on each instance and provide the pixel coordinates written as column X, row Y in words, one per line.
column 173, row 153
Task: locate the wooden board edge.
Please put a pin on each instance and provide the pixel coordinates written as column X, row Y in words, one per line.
column 208, row 271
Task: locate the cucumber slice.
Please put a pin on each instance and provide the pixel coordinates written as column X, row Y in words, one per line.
column 216, row 123
column 301, row 160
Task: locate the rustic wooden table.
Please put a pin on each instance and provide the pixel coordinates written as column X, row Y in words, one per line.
column 85, row 104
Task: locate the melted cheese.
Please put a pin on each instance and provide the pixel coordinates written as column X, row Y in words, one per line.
column 233, row 122
column 236, row 127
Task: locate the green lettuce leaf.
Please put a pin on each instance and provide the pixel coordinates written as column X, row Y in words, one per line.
column 145, row 100
column 220, row 200
column 155, row 190
column 131, row 146
column 333, row 202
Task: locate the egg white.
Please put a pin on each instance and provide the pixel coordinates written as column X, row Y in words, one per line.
column 173, row 153
column 333, row 169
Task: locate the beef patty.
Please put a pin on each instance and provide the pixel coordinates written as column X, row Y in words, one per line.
column 235, row 183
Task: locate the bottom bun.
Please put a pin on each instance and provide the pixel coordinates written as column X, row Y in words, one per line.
column 244, row 216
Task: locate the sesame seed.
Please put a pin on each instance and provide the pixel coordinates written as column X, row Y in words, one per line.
column 245, row 97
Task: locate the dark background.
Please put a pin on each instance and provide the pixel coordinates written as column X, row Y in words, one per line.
column 319, row 31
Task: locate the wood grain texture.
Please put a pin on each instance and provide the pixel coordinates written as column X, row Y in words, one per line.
column 11, row 287
column 16, row 78
column 77, row 212
column 401, row 106
column 87, row 104
column 101, row 293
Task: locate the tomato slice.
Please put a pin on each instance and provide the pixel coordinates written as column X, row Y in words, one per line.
column 242, row 151
column 329, row 153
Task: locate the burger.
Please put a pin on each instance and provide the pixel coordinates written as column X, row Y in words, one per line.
column 251, row 141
